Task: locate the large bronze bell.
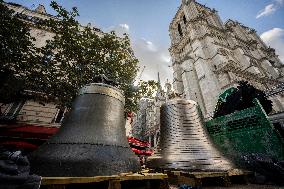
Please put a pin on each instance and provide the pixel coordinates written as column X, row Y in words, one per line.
column 91, row 141
column 184, row 143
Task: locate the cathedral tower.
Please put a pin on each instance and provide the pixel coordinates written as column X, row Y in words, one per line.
column 209, row 56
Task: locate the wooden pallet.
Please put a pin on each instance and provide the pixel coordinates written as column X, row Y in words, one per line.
column 127, row 181
column 198, row 179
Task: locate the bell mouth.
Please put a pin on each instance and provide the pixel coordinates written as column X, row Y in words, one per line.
column 57, row 160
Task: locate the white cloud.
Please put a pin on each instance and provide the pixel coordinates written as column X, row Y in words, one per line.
column 120, row 29
column 270, row 9
column 275, row 39
column 149, row 45
column 125, row 26
column 154, row 58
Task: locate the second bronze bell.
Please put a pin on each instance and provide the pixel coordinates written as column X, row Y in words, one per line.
column 91, row 141
column 184, row 143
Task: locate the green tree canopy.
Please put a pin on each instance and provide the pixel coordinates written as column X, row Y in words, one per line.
column 143, row 89
column 71, row 59
column 16, row 54
column 76, row 54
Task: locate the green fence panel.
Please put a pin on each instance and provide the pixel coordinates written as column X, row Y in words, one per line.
column 245, row 132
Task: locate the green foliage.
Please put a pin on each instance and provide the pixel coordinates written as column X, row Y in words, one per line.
column 77, row 54
column 143, row 89
column 16, row 54
column 147, row 88
column 70, row 60
column 242, row 98
column 10, row 87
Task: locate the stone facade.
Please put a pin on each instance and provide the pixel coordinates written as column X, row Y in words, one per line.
column 30, row 111
column 139, row 119
column 152, row 131
column 209, row 57
column 146, row 124
column 32, row 17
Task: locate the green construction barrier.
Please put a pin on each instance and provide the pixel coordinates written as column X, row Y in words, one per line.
column 246, row 132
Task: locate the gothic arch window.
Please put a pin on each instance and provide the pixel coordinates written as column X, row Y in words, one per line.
column 179, row 30
column 272, row 62
column 210, row 20
column 184, row 19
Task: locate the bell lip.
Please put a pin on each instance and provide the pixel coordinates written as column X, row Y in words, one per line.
column 104, row 89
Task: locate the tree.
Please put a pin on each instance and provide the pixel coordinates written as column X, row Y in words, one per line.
column 143, row 89
column 16, row 44
column 77, row 54
column 241, row 99
column 74, row 56
column 16, row 55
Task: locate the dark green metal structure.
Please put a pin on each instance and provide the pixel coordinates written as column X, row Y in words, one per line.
column 246, row 132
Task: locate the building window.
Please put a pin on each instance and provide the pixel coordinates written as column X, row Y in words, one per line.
column 13, row 110
column 211, row 20
column 184, row 19
column 179, row 30
column 46, row 59
column 272, row 62
column 59, row 116
column 152, row 141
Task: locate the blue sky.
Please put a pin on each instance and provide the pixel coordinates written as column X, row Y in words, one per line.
column 147, row 23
